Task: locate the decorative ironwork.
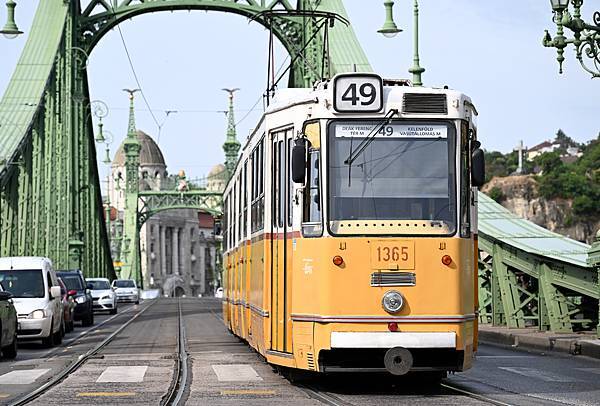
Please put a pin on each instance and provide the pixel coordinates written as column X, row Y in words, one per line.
column 585, row 40
column 154, row 202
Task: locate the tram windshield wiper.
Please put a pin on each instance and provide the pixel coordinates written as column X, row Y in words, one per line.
column 354, row 153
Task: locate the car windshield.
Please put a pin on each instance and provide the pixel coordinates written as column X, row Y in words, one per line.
column 406, row 172
column 23, row 283
column 124, row 283
column 72, row 282
column 99, row 285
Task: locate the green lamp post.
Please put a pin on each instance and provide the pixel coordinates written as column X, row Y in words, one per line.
column 390, row 29
column 10, row 29
column 585, row 40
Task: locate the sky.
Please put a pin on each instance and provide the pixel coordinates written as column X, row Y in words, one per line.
column 491, row 50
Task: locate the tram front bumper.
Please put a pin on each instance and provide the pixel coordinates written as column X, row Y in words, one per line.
column 390, row 340
column 395, row 352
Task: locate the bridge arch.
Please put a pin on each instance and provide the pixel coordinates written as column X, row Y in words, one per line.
column 299, row 33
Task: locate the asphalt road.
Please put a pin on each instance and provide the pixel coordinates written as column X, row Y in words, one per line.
column 34, row 359
column 137, row 368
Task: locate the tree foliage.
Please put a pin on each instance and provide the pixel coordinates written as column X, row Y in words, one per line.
column 579, row 181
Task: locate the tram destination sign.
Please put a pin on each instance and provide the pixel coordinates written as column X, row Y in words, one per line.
column 354, row 93
column 396, row 130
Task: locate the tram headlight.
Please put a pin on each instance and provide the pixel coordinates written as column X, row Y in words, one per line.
column 392, row 301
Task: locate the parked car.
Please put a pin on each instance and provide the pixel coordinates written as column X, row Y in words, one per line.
column 104, row 297
column 68, row 307
column 78, row 289
column 8, row 324
column 36, row 297
column 126, row 290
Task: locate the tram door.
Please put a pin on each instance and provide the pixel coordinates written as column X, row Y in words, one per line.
column 281, row 253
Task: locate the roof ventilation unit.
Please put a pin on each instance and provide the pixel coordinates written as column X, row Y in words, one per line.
column 425, row 103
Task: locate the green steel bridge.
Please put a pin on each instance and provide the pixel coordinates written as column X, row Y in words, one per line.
column 50, row 200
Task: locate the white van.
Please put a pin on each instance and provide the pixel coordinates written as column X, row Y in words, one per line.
column 36, row 296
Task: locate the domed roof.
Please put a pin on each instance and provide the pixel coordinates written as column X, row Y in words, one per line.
column 150, row 153
column 217, row 171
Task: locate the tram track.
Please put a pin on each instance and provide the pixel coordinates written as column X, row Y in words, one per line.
column 179, row 386
column 82, row 359
column 465, row 392
column 330, row 399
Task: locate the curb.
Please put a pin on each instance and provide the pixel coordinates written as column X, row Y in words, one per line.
column 566, row 344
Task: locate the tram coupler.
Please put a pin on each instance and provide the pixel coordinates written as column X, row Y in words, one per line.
column 398, row 361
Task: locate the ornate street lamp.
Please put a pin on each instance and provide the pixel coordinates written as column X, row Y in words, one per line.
column 559, row 5
column 585, row 40
column 389, row 29
column 10, row 29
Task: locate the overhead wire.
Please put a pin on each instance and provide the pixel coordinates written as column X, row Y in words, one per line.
column 139, row 85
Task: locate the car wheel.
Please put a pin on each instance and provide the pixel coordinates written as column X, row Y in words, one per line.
column 49, row 341
column 11, row 350
column 88, row 320
column 137, row 302
column 113, row 311
column 71, row 325
column 59, row 335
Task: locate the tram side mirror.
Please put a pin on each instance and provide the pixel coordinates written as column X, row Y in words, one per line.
column 299, row 161
column 478, row 168
column 217, row 228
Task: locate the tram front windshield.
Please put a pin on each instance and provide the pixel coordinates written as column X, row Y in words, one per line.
column 405, row 172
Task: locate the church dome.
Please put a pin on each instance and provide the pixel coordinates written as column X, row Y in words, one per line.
column 217, row 171
column 150, row 153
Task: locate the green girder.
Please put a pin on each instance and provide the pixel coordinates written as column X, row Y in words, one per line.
column 518, row 290
column 152, row 203
column 294, row 29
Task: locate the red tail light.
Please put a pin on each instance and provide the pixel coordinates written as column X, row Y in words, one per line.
column 446, row 260
column 337, row 260
column 393, row 327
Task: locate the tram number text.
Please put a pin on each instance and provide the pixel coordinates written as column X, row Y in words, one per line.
column 357, row 93
column 367, row 91
column 392, row 254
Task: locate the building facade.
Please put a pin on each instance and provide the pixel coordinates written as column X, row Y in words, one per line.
column 179, row 252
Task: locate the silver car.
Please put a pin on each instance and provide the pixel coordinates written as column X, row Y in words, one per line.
column 104, row 297
column 126, row 290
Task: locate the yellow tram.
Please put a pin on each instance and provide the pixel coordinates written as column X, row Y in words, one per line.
column 349, row 229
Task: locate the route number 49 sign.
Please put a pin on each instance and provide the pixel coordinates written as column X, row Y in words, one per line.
column 357, row 93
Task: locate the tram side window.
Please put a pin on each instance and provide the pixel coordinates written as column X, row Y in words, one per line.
column 225, row 224
column 245, row 205
column 290, row 197
column 465, row 182
column 234, row 224
column 240, row 207
column 258, row 192
column 312, row 220
column 281, row 183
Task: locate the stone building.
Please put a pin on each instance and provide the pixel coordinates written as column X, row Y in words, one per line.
column 178, row 249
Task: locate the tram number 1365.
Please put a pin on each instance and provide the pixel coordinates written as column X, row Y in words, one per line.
column 392, row 254
column 358, row 93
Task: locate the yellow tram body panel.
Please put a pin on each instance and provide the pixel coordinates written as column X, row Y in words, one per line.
column 324, row 298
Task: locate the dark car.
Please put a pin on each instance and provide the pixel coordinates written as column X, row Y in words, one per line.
column 8, row 325
column 78, row 289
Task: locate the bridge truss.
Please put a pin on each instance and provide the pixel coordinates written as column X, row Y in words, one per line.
column 50, row 200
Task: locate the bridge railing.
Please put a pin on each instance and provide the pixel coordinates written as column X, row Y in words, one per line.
column 530, row 276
